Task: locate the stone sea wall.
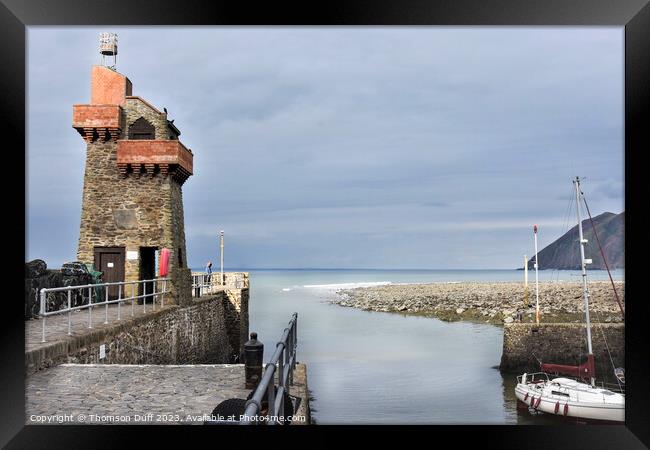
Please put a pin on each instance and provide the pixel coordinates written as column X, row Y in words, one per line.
column 209, row 330
column 561, row 343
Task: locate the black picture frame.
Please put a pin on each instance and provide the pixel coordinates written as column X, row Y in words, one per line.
column 634, row 15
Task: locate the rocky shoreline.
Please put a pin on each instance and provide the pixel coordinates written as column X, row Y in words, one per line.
column 495, row 303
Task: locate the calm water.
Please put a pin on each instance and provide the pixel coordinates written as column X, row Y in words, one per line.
column 372, row 367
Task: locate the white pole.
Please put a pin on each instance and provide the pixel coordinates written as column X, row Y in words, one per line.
column 221, row 245
column 536, row 278
column 583, row 265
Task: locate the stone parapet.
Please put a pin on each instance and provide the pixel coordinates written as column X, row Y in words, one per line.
column 98, row 121
column 153, row 156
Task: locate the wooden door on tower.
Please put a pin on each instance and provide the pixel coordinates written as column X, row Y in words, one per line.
column 110, row 261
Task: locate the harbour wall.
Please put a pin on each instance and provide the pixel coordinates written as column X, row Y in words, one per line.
column 561, row 343
column 209, row 330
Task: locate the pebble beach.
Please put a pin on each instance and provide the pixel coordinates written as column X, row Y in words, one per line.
column 495, row 302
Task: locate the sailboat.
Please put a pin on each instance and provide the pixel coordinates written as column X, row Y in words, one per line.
column 579, row 397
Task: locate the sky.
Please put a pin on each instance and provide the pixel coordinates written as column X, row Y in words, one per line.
column 347, row 147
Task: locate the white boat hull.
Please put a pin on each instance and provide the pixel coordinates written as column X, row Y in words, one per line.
column 564, row 397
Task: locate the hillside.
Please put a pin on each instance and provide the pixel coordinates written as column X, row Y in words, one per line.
column 564, row 253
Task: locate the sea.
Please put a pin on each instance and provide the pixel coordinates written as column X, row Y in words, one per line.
column 369, row 367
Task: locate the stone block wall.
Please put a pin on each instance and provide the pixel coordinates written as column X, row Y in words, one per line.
column 136, row 107
column 561, row 343
column 199, row 333
column 237, row 317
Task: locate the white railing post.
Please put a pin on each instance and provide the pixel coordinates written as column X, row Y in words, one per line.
column 69, row 312
column 157, row 291
column 43, row 303
column 119, row 300
column 90, row 307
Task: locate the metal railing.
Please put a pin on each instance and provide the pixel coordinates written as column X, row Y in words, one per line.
column 283, row 362
column 535, row 377
column 79, row 293
column 202, row 283
column 543, row 377
column 208, row 283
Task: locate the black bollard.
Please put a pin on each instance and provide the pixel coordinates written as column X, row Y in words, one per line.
column 253, row 358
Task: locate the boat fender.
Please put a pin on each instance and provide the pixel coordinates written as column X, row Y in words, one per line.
column 526, row 396
column 557, row 407
column 532, row 400
column 538, row 401
column 566, row 408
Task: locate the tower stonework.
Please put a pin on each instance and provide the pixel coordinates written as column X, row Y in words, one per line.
column 132, row 203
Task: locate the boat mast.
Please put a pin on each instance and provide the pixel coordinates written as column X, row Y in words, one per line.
column 536, row 278
column 583, row 265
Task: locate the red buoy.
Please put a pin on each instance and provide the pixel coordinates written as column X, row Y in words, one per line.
column 164, row 262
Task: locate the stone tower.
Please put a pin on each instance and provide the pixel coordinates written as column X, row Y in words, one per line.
column 132, row 199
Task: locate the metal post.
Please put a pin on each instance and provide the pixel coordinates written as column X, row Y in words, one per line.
column 90, row 307
column 221, row 245
column 144, row 297
column 292, row 352
column 288, row 358
column 106, row 317
column 271, row 397
column 162, row 298
column 43, row 293
column 119, row 300
column 281, row 366
column 69, row 312
column 154, row 295
column 132, row 300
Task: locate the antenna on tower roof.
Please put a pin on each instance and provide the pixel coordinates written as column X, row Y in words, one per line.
column 108, row 47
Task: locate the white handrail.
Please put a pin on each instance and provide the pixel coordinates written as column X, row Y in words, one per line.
column 44, row 313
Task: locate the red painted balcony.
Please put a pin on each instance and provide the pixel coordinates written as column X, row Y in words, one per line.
column 97, row 121
column 154, row 156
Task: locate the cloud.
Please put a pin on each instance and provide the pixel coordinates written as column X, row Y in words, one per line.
column 362, row 147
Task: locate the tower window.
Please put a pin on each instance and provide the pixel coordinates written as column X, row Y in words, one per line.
column 142, row 129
